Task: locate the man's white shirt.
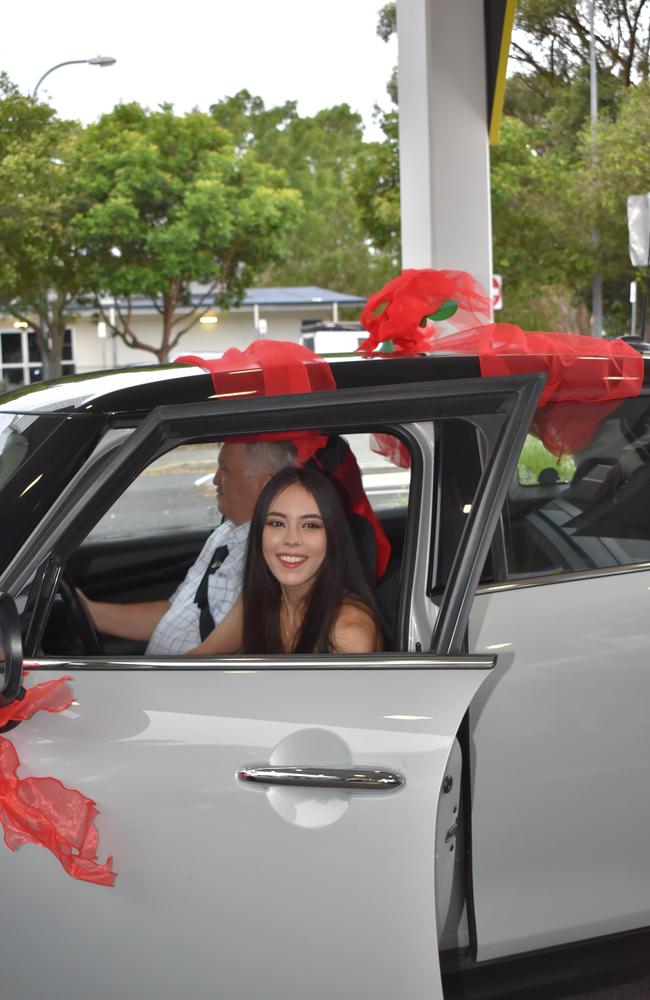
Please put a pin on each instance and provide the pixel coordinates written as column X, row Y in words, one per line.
column 178, row 630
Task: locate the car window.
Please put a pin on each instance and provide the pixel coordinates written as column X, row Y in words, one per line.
column 173, row 492
column 21, row 435
column 143, row 547
column 176, row 491
column 39, row 454
column 587, row 509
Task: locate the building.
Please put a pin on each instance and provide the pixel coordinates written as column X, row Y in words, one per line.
column 276, row 313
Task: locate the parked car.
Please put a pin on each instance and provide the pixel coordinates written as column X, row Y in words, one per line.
column 639, row 343
column 510, row 707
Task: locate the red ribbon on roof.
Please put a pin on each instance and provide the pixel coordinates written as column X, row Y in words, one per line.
column 42, row 810
column 270, row 368
column 579, row 369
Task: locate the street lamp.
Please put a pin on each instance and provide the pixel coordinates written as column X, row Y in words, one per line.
column 97, row 61
column 597, row 285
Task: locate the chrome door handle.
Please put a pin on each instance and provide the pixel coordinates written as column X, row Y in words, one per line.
column 343, row 779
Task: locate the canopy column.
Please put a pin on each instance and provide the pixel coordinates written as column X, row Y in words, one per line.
column 443, row 134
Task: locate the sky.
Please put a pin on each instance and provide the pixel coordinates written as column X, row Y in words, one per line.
column 192, row 53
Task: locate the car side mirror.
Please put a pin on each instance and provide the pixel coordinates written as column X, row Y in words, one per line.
column 11, row 651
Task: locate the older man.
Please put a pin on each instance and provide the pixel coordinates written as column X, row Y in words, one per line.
column 212, row 584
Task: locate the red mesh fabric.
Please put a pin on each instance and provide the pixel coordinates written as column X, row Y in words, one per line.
column 270, row 368
column 566, row 428
column 42, row 810
column 579, row 369
column 391, row 448
column 398, row 310
column 339, row 462
column 51, row 696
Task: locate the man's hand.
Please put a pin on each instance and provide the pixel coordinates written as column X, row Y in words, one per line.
column 128, row 621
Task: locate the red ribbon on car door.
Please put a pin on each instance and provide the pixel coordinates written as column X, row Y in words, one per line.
column 42, row 810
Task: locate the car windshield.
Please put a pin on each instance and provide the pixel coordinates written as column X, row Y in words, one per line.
column 39, row 454
column 21, row 434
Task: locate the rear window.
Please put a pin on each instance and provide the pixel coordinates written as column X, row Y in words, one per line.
column 585, row 510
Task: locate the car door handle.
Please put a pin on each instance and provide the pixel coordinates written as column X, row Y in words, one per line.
column 343, row 779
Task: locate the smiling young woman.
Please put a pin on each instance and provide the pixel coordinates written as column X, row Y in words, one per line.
column 304, row 588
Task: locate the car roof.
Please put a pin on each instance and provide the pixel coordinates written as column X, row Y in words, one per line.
column 128, row 394
column 131, row 393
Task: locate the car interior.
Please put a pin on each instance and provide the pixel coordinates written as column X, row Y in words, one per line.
column 129, row 558
column 588, row 511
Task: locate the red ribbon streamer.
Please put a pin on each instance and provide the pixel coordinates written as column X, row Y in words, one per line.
column 579, row 369
column 270, row 368
column 42, row 810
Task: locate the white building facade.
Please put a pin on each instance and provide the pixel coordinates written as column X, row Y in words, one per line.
column 276, row 313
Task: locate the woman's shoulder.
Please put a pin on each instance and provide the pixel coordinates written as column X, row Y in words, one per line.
column 355, row 629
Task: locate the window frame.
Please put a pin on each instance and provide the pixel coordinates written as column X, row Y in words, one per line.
column 504, row 581
column 25, row 366
column 506, row 404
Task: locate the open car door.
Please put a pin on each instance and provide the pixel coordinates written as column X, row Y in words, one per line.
column 272, row 818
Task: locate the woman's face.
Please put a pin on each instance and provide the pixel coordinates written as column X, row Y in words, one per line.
column 294, row 539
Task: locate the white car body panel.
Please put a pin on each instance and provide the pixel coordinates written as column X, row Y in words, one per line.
column 560, row 763
column 227, row 890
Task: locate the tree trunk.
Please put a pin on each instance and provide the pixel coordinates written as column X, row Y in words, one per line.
column 49, row 336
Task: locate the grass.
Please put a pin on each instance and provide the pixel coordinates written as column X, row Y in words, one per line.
column 535, row 457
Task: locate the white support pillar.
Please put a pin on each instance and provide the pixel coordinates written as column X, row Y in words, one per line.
column 443, row 134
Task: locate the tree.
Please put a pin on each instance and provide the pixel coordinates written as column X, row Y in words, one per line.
column 165, row 202
column 551, row 95
column 20, row 117
column 319, row 154
column 375, row 183
column 545, row 174
column 376, row 178
column 39, row 267
column 622, row 169
column 552, row 38
column 541, row 232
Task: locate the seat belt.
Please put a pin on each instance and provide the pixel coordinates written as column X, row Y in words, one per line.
column 206, row 621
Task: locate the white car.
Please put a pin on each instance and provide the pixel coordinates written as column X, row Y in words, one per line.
column 469, row 809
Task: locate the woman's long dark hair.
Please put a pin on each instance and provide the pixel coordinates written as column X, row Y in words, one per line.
column 340, row 578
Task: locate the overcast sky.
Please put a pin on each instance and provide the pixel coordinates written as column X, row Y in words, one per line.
column 193, row 53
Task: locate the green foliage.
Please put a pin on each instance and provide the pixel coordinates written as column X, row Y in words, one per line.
column 21, row 117
column 140, row 203
column 551, row 186
column 387, row 21
column 535, row 458
column 552, row 40
column 375, row 183
column 319, row 154
column 622, row 168
column 39, row 264
column 542, row 234
column 165, row 201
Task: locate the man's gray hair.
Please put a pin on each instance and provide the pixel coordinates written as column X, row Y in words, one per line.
column 271, row 456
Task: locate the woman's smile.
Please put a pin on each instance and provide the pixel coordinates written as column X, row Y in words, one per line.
column 291, row 560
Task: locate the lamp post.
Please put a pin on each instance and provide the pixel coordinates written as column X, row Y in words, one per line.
column 597, row 286
column 97, row 61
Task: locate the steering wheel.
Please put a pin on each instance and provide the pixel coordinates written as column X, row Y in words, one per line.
column 78, row 621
